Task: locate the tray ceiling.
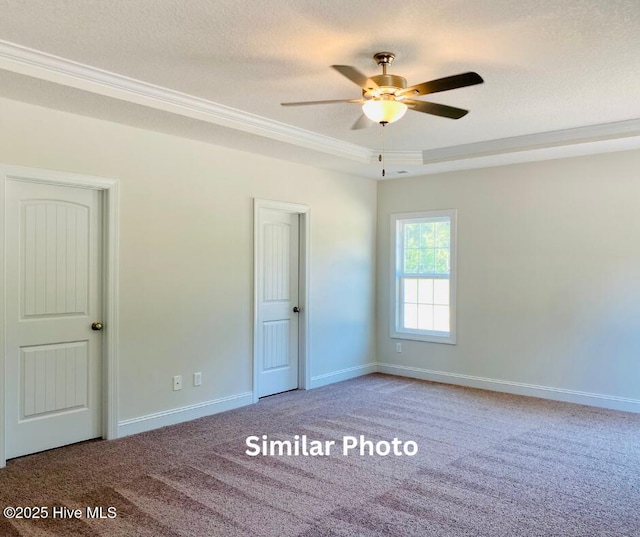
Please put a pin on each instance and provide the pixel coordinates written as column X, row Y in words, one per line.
column 557, row 74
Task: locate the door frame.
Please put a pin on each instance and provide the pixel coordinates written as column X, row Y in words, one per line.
column 304, row 280
column 110, row 277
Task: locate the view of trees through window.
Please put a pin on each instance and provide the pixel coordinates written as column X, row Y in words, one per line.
column 426, row 248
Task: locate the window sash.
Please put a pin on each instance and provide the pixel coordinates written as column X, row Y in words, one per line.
column 432, row 308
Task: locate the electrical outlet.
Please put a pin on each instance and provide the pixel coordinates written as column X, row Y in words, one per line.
column 398, row 347
column 177, row 383
column 197, row 379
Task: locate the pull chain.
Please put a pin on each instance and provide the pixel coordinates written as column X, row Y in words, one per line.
column 381, row 155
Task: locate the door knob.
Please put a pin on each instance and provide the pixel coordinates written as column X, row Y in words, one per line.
column 296, row 309
column 96, row 326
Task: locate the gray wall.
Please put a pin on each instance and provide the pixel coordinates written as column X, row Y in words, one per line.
column 549, row 277
column 548, row 263
column 186, row 259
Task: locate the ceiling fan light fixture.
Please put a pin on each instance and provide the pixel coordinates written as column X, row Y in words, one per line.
column 384, row 110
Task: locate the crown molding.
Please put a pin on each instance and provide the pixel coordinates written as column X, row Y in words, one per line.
column 613, row 145
column 37, row 64
column 552, row 145
column 602, row 138
column 592, row 139
column 590, row 135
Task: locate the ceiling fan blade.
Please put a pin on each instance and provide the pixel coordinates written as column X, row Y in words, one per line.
column 442, row 84
column 356, row 76
column 362, row 122
column 305, row 103
column 436, row 109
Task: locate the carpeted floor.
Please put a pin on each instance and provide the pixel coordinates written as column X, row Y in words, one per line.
column 488, row 464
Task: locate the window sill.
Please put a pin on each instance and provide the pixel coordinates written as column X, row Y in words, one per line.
column 426, row 338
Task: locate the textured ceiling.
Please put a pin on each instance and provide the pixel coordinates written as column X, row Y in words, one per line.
column 548, row 65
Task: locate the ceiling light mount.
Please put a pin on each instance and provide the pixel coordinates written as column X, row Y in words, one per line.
column 384, row 59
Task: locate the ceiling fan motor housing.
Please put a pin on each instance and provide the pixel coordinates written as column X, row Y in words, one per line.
column 387, row 84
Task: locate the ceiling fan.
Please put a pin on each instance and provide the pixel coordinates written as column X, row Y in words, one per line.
column 386, row 97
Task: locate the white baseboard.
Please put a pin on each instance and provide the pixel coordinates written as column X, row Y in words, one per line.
column 179, row 415
column 343, row 374
column 517, row 388
column 207, row 408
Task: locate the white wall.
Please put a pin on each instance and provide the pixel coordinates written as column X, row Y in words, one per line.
column 549, row 278
column 186, row 259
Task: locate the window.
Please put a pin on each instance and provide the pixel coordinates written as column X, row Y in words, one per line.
column 423, row 272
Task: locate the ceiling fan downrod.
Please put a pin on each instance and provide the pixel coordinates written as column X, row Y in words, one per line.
column 384, row 59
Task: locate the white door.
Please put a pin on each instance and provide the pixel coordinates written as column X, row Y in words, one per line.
column 277, row 338
column 53, row 356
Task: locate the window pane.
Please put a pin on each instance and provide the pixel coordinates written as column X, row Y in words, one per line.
column 410, row 290
column 427, row 261
column 442, row 261
column 410, row 316
column 427, row 235
column 441, row 318
column 411, row 261
column 412, row 235
column 441, row 292
column 425, row 291
column 425, row 317
column 443, row 234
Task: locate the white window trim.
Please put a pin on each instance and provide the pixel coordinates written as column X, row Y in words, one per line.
column 422, row 335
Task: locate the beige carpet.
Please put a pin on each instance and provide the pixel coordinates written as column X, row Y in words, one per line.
column 488, row 465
